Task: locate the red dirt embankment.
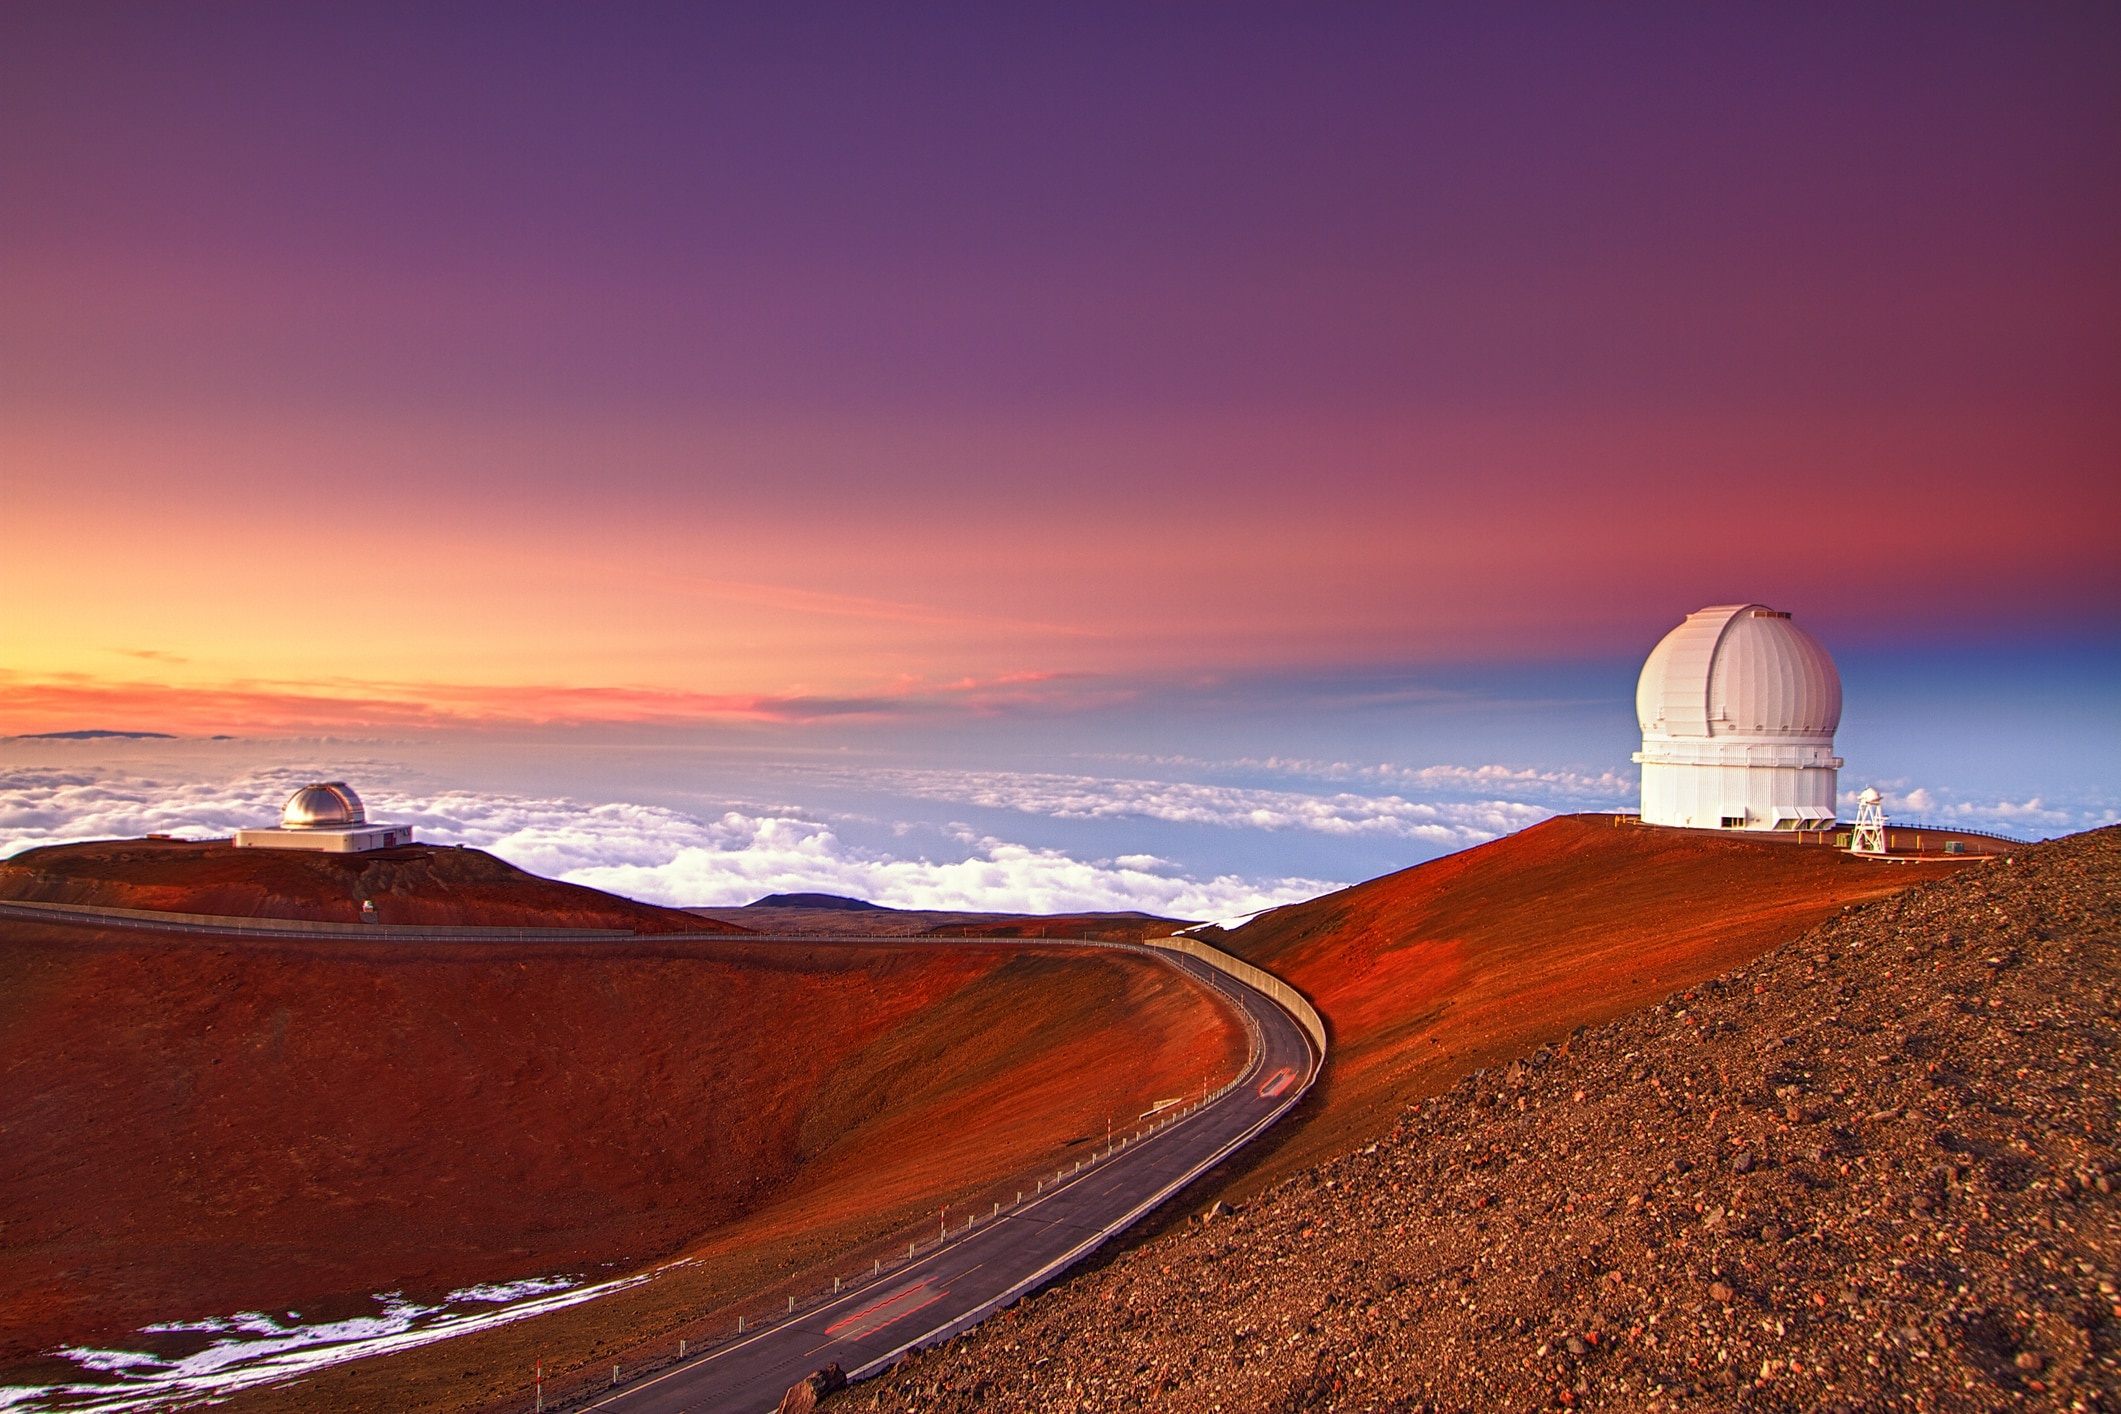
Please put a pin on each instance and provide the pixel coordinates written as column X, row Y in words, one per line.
column 1481, row 956
column 418, row 884
column 203, row 1125
column 909, row 923
column 1876, row 1170
column 1115, row 927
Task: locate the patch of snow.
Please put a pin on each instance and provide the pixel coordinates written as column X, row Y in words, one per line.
column 256, row 1349
column 510, row 1290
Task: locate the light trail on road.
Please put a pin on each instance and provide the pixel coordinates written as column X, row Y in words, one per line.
column 977, row 1271
column 964, row 1276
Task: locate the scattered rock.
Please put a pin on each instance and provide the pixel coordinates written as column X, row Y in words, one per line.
column 803, row 1395
column 1556, row 1256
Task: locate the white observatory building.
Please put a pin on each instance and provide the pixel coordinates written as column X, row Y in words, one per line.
column 1738, row 708
column 327, row 816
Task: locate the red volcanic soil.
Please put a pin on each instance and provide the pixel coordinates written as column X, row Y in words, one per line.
column 1438, row 970
column 416, row 884
column 907, row 923
column 1117, row 927
column 203, row 1125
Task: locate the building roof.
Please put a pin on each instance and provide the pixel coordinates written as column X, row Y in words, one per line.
column 323, row 805
column 1735, row 670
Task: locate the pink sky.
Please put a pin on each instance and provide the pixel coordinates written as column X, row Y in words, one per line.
column 387, row 367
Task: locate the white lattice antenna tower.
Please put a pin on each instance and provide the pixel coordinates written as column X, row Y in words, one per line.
column 1869, row 837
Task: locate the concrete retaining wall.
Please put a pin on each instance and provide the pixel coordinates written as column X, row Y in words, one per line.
column 1259, row 979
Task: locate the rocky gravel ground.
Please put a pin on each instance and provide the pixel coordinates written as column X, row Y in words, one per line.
column 1873, row 1171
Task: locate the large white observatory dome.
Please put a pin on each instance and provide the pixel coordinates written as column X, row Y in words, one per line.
column 1738, row 707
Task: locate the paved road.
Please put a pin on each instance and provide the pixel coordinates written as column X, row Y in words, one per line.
column 952, row 1284
column 302, row 931
column 956, row 1284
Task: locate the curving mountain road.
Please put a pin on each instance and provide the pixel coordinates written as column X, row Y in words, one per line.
column 953, row 1283
column 958, row 1282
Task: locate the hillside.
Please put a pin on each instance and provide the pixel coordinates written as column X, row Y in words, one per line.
column 1873, row 1170
column 203, row 1125
column 870, row 920
column 1431, row 972
column 419, row 884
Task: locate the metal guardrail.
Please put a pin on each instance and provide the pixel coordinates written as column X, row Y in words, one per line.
column 594, row 1393
column 1280, row 993
column 302, row 928
column 1257, row 978
column 1149, row 1203
column 1842, row 827
column 1953, row 830
column 1237, row 969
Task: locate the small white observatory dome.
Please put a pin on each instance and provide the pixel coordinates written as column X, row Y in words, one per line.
column 325, row 816
column 1738, row 708
column 323, row 805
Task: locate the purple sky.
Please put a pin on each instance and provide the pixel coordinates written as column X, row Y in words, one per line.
column 1029, row 439
column 887, row 349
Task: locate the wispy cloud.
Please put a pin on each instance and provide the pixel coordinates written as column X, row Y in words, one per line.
column 825, row 604
column 1454, row 824
column 2033, row 817
column 648, row 852
column 66, row 700
column 1602, row 787
column 46, row 806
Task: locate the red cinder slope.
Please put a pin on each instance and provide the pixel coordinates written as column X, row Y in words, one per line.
column 1435, row 971
column 199, row 1125
column 419, row 884
column 1117, row 927
column 907, row 923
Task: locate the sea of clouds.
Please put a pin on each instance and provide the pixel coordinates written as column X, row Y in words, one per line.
column 2035, row 817
column 644, row 851
column 1453, row 824
column 732, row 856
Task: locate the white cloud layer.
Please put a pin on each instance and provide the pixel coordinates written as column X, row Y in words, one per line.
column 1601, row 788
column 1453, row 824
column 2033, row 817
column 647, row 852
column 668, row 856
